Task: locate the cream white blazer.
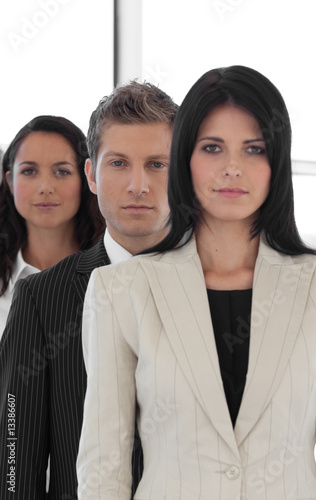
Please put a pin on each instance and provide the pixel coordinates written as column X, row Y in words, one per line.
column 148, row 337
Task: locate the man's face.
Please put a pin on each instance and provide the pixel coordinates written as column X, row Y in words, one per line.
column 131, row 183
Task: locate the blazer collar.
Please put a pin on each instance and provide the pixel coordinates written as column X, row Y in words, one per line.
column 178, row 287
column 92, row 258
column 280, row 292
column 87, row 261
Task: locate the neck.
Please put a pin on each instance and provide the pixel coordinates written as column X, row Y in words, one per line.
column 46, row 247
column 136, row 244
column 228, row 255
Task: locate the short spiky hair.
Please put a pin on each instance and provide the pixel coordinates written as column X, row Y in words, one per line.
column 134, row 103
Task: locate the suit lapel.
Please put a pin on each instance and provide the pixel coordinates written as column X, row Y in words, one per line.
column 280, row 293
column 178, row 287
column 88, row 260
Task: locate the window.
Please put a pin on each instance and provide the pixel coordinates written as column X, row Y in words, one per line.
column 276, row 38
column 57, row 58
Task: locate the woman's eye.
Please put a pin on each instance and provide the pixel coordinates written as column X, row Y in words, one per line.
column 63, row 172
column 212, row 148
column 257, row 150
column 28, row 171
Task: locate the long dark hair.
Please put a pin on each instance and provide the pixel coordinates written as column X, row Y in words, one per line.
column 89, row 223
column 251, row 90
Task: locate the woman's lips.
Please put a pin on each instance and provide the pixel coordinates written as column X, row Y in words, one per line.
column 46, row 206
column 231, row 193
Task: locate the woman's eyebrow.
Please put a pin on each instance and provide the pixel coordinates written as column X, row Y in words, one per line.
column 211, row 138
column 259, row 139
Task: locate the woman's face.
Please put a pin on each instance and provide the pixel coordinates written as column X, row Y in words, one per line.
column 45, row 181
column 229, row 166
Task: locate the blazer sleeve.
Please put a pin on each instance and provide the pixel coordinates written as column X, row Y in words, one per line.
column 104, row 459
column 23, row 402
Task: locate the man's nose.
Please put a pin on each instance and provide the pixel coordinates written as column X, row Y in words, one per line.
column 138, row 181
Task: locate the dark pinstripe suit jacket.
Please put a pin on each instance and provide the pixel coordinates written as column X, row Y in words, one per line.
column 43, row 381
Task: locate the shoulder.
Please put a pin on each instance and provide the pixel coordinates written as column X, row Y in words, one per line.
column 82, row 262
column 292, row 272
column 142, row 271
column 275, row 257
column 123, row 273
column 179, row 255
column 57, row 275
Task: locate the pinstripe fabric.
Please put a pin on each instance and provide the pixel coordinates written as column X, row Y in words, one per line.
column 148, row 320
column 41, row 366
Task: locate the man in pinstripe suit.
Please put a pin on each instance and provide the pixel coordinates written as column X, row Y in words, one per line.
column 42, row 372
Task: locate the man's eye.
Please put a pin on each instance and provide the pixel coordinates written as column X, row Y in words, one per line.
column 117, row 163
column 157, row 164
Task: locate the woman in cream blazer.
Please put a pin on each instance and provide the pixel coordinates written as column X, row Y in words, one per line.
column 150, row 344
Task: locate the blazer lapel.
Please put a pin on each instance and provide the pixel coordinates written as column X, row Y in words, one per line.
column 178, row 287
column 280, row 291
column 88, row 260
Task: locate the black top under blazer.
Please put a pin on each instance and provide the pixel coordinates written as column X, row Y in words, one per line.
column 42, row 371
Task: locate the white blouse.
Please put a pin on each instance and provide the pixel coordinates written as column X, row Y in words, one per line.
column 21, row 270
column 115, row 252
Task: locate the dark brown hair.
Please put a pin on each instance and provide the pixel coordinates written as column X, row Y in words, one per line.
column 90, row 224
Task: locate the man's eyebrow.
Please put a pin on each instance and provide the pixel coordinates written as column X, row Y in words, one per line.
column 114, row 153
column 161, row 156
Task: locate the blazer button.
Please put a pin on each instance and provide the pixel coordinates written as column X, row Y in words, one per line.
column 232, row 472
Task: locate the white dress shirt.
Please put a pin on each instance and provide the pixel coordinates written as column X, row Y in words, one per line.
column 21, row 270
column 115, row 252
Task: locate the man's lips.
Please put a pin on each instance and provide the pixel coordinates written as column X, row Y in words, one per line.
column 137, row 209
column 231, row 192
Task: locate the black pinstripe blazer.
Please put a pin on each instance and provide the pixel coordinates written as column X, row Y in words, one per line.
column 43, row 381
